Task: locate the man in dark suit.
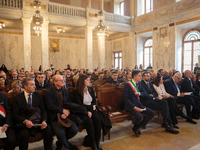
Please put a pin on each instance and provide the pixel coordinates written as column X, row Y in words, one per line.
column 6, row 121
column 172, row 88
column 114, row 79
column 187, row 86
column 150, row 101
column 32, row 75
column 128, row 76
column 132, row 91
column 101, row 76
column 55, row 98
column 23, row 103
column 68, row 73
column 41, row 83
column 161, row 73
column 149, row 67
column 2, row 73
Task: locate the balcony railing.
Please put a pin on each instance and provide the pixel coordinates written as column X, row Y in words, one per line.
column 66, row 10
column 11, row 3
column 117, row 18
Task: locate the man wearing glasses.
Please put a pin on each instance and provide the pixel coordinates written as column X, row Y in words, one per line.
column 41, row 83
column 172, row 88
column 55, row 98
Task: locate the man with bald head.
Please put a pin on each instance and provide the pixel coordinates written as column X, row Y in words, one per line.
column 55, row 98
column 172, row 88
column 153, row 76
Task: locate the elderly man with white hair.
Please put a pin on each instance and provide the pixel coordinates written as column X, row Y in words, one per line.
column 172, row 88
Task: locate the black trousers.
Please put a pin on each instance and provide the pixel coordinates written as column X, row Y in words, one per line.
column 159, row 105
column 187, row 101
column 11, row 140
column 93, row 126
column 25, row 133
column 63, row 134
column 174, row 110
column 139, row 122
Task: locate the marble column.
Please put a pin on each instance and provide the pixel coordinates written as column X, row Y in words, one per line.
column 101, row 52
column 89, row 47
column 45, row 45
column 88, row 3
column 101, row 4
column 27, row 43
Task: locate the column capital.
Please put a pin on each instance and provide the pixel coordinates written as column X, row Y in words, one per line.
column 26, row 20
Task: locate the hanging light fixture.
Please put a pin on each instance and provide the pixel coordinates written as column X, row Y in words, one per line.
column 60, row 30
column 2, row 25
column 37, row 20
column 101, row 27
column 37, row 4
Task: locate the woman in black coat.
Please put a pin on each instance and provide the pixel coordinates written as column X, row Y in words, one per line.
column 84, row 96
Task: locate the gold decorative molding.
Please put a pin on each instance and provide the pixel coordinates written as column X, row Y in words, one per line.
column 54, row 45
column 6, row 32
column 163, row 32
column 67, row 36
column 144, row 31
column 29, row 4
column 164, row 12
column 92, row 15
column 188, row 20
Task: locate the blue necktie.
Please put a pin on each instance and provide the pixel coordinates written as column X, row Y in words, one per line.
column 191, row 83
column 29, row 101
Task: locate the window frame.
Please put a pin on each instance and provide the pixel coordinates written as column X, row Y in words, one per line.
column 117, row 58
column 192, row 49
column 145, row 7
column 120, row 7
column 149, row 51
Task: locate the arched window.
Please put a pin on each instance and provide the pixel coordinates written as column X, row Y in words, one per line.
column 191, row 49
column 148, row 52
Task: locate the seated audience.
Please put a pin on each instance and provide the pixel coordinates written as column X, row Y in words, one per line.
column 2, row 81
column 114, row 79
column 84, row 96
column 132, row 91
column 57, row 72
column 66, row 85
column 6, row 122
column 2, row 73
column 174, row 71
column 141, row 67
column 3, row 68
column 106, row 74
column 14, row 75
column 16, row 87
column 120, row 76
column 51, row 67
column 26, row 74
column 173, row 108
column 136, row 67
column 101, row 77
column 149, row 67
column 55, row 98
column 171, row 87
column 149, row 100
column 166, row 75
column 23, row 105
column 32, row 75
column 72, row 73
column 40, row 68
column 41, row 83
column 68, row 73
column 170, row 74
column 63, row 73
column 161, row 73
column 21, row 70
column 196, row 68
column 153, row 76
column 48, row 74
column 187, row 87
column 128, row 76
column 21, row 76
column 75, row 79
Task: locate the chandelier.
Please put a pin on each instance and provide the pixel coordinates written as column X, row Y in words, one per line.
column 37, row 4
column 101, row 27
column 37, row 20
column 2, row 25
column 60, row 30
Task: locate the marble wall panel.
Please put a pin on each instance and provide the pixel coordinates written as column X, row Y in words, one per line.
column 159, row 3
column 182, row 6
column 145, row 18
column 95, row 54
column 36, row 52
column 127, row 52
column 164, row 12
column 164, row 50
column 11, row 50
column 109, row 54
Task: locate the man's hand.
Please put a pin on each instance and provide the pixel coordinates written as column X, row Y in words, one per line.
column 151, row 95
column 94, row 107
column 29, row 124
column 63, row 116
column 89, row 114
column 137, row 93
column 138, row 109
column 182, row 94
column 66, row 112
column 4, row 128
column 44, row 125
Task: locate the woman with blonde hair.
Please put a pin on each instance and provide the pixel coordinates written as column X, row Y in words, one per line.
column 16, row 87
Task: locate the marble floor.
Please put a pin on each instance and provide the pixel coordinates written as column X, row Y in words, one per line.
column 153, row 137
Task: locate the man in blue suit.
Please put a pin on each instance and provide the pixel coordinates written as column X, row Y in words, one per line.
column 132, row 91
column 172, row 88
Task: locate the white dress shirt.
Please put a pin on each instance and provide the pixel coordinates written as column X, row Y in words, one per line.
column 26, row 97
column 87, row 99
column 161, row 91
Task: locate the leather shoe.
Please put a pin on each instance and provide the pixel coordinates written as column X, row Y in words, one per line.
column 139, row 131
column 99, row 146
column 175, row 126
column 73, row 147
column 135, row 130
column 171, row 130
column 194, row 116
column 58, row 145
column 191, row 121
column 164, row 125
